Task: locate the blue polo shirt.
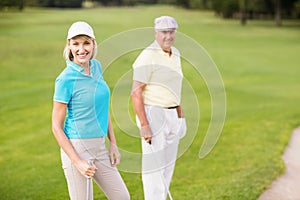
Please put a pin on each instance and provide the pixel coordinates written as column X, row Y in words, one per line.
column 87, row 98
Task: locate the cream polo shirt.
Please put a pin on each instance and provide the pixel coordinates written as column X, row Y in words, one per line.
column 162, row 75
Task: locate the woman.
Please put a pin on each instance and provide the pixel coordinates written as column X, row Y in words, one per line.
column 80, row 119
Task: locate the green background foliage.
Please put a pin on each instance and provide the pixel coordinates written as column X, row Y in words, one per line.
column 226, row 8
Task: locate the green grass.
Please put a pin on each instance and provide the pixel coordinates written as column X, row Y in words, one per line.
column 259, row 64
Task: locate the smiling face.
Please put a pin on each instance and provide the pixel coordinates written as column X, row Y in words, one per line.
column 165, row 39
column 82, row 48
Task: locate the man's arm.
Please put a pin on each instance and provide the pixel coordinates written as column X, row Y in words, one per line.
column 138, row 106
column 138, row 101
column 179, row 112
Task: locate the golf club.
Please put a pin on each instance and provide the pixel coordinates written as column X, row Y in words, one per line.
column 89, row 185
column 162, row 176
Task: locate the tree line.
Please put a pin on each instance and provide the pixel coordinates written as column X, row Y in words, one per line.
column 241, row 9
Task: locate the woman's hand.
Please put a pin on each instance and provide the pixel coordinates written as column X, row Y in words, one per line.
column 114, row 155
column 85, row 169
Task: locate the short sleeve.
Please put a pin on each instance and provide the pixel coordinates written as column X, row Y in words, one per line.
column 63, row 91
column 142, row 68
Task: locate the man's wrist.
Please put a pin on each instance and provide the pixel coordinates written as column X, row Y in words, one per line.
column 144, row 124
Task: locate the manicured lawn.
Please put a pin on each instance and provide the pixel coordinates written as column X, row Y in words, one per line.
column 259, row 65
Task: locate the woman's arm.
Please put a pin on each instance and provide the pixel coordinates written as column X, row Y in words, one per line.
column 58, row 117
column 114, row 153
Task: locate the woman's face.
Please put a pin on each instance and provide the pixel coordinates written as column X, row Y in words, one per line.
column 82, row 50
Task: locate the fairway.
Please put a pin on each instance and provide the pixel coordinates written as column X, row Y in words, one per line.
column 259, row 65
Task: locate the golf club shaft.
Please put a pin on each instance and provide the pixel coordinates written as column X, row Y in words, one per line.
column 89, row 185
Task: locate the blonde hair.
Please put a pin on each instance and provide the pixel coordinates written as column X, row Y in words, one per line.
column 68, row 54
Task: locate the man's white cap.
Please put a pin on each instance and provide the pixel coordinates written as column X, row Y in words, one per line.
column 80, row 28
column 165, row 23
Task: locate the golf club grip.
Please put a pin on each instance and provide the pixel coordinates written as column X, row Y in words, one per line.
column 90, row 162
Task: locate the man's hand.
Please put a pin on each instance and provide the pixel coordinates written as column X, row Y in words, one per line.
column 146, row 133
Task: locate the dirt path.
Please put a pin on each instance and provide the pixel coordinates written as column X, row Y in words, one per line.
column 287, row 186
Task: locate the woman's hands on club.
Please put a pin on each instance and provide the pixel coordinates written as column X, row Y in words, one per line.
column 85, row 169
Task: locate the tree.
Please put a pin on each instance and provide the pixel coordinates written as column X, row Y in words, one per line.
column 12, row 3
column 297, row 9
column 62, row 3
column 183, row 3
column 278, row 13
column 243, row 11
column 226, row 8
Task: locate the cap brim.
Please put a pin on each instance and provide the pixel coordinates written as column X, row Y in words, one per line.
column 165, row 29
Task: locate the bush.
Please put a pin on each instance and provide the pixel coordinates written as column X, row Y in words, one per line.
column 225, row 8
column 62, row 3
column 12, row 3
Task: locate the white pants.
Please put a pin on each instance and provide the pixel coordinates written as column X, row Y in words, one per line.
column 159, row 157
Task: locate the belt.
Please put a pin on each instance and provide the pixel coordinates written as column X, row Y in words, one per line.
column 172, row 107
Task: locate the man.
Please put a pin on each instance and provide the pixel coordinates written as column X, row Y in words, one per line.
column 156, row 94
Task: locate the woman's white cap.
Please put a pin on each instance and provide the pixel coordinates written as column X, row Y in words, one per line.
column 80, row 28
column 165, row 23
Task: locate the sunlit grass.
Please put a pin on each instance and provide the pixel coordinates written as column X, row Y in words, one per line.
column 259, row 64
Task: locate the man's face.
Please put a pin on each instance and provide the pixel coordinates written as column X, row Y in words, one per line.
column 165, row 39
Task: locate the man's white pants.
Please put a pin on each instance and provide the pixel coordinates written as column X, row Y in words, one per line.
column 159, row 157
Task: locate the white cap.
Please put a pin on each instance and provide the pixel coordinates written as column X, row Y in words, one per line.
column 80, row 28
column 165, row 23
